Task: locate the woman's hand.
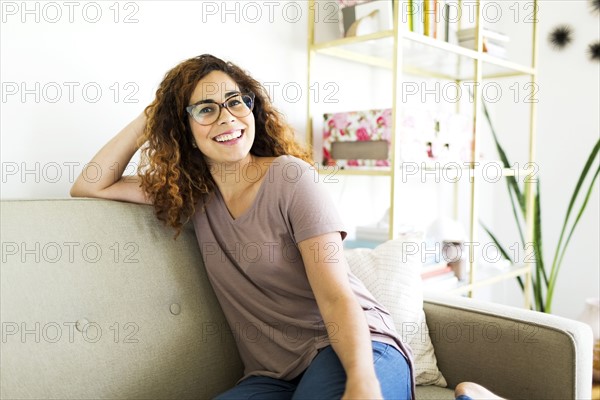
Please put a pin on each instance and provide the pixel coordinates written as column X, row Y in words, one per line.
column 327, row 273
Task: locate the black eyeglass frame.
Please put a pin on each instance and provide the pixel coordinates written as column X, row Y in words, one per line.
column 223, row 105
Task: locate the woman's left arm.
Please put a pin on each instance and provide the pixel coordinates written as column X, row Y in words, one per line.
column 327, row 272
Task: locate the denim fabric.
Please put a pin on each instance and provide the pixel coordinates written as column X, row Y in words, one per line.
column 463, row 397
column 325, row 379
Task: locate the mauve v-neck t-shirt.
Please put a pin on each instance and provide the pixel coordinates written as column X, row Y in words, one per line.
column 257, row 273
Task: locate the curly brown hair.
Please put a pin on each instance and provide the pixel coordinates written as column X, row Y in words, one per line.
column 174, row 175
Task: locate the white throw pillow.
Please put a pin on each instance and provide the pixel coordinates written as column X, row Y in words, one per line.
column 391, row 272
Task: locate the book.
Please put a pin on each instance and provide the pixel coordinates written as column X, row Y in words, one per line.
column 426, row 16
column 439, row 279
column 410, row 10
column 435, row 18
column 442, row 24
column 418, row 16
column 430, row 17
column 439, row 285
column 436, row 272
column 434, row 266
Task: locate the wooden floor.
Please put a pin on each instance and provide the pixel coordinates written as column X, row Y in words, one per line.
column 596, row 392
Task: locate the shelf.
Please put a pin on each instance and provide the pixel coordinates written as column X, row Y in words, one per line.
column 366, row 171
column 487, row 275
column 416, row 167
column 352, row 40
column 423, row 56
column 446, row 64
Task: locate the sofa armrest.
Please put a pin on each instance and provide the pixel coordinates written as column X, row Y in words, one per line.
column 514, row 352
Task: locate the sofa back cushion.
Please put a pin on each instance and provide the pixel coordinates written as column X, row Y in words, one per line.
column 99, row 301
column 391, row 272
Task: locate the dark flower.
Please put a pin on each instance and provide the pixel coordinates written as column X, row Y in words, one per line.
column 594, row 51
column 561, row 36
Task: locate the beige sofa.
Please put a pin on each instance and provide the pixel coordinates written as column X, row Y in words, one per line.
column 98, row 301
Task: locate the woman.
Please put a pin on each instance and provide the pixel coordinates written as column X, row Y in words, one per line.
column 218, row 153
column 215, row 147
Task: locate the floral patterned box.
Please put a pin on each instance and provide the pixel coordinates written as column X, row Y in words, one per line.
column 357, row 126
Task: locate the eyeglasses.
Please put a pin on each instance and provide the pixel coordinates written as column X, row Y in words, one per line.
column 207, row 112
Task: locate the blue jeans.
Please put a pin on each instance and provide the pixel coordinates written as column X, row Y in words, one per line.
column 325, row 379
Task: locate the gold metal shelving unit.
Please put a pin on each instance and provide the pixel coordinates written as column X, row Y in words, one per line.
column 411, row 53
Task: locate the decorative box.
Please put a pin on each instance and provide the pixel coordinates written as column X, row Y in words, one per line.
column 357, row 138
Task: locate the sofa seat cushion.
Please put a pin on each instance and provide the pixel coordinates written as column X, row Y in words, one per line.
column 434, row 393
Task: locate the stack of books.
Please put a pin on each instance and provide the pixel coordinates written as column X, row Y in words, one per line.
column 438, row 276
column 429, row 17
column 493, row 42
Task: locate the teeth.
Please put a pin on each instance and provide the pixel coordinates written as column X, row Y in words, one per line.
column 229, row 136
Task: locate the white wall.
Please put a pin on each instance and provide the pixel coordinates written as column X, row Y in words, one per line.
column 53, row 137
column 571, row 87
column 568, row 127
column 45, row 141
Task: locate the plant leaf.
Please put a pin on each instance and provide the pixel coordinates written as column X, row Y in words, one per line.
column 512, row 195
column 501, row 249
column 493, row 237
column 564, row 249
column 540, row 270
column 537, row 234
column 504, row 158
column 557, row 260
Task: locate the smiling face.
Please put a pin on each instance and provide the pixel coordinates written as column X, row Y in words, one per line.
column 229, row 138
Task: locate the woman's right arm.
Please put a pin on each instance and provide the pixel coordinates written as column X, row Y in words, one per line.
column 103, row 176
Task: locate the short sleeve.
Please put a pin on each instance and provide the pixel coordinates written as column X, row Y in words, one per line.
column 311, row 211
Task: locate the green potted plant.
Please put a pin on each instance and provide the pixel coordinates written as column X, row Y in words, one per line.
column 543, row 280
